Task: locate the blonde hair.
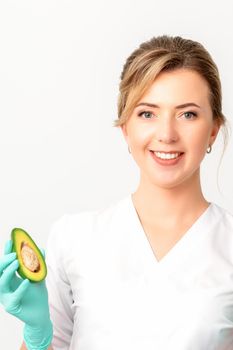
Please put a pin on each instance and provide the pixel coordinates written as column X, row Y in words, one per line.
column 166, row 53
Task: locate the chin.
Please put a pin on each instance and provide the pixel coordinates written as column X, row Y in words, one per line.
column 169, row 184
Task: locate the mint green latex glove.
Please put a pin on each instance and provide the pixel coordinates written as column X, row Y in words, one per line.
column 25, row 300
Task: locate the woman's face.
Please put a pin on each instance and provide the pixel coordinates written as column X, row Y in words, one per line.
column 169, row 127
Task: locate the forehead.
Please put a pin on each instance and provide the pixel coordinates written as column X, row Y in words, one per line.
column 178, row 86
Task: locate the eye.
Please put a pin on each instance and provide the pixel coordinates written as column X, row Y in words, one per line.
column 190, row 115
column 146, row 114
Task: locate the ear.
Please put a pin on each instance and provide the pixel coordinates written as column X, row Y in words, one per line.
column 214, row 132
column 124, row 131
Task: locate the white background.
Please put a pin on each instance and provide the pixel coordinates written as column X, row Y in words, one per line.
column 60, row 65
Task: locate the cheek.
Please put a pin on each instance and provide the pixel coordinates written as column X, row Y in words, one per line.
column 140, row 137
column 197, row 144
column 198, row 137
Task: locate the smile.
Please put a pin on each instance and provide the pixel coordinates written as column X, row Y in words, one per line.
column 167, row 158
column 166, row 155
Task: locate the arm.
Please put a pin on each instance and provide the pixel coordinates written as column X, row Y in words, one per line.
column 23, row 347
column 58, row 285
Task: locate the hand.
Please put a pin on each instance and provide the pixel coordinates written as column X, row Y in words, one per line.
column 25, row 300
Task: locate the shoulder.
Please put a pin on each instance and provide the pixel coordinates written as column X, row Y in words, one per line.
column 68, row 224
column 222, row 231
column 225, row 216
column 85, row 224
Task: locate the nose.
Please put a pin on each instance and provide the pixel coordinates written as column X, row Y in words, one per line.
column 166, row 130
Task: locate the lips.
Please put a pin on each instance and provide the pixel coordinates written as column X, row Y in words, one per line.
column 167, row 162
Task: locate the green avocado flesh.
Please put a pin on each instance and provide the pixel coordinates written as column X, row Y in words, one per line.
column 31, row 261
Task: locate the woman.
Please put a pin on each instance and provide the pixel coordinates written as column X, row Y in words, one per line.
column 154, row 270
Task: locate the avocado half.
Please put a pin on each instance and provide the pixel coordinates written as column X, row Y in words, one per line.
column 31, row 261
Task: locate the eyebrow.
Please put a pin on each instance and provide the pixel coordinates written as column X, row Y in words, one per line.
column 188, row 104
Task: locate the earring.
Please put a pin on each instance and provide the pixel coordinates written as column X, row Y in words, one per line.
column 209, row 149
column 129, row 149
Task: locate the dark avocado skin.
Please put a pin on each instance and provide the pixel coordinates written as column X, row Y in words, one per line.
column 33, row 277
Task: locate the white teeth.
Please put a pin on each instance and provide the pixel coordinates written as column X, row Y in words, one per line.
column 166, row 155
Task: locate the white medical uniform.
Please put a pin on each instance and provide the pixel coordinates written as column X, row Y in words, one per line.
column 107, row 290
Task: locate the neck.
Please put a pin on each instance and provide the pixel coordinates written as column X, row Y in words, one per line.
column 166, row 207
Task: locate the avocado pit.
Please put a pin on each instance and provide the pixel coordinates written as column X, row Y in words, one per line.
column 29, row 257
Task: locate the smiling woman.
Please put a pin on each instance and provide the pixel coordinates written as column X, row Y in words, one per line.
column 176, row 134
column 166, row 54
column 170, row 111
column 154, row 270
